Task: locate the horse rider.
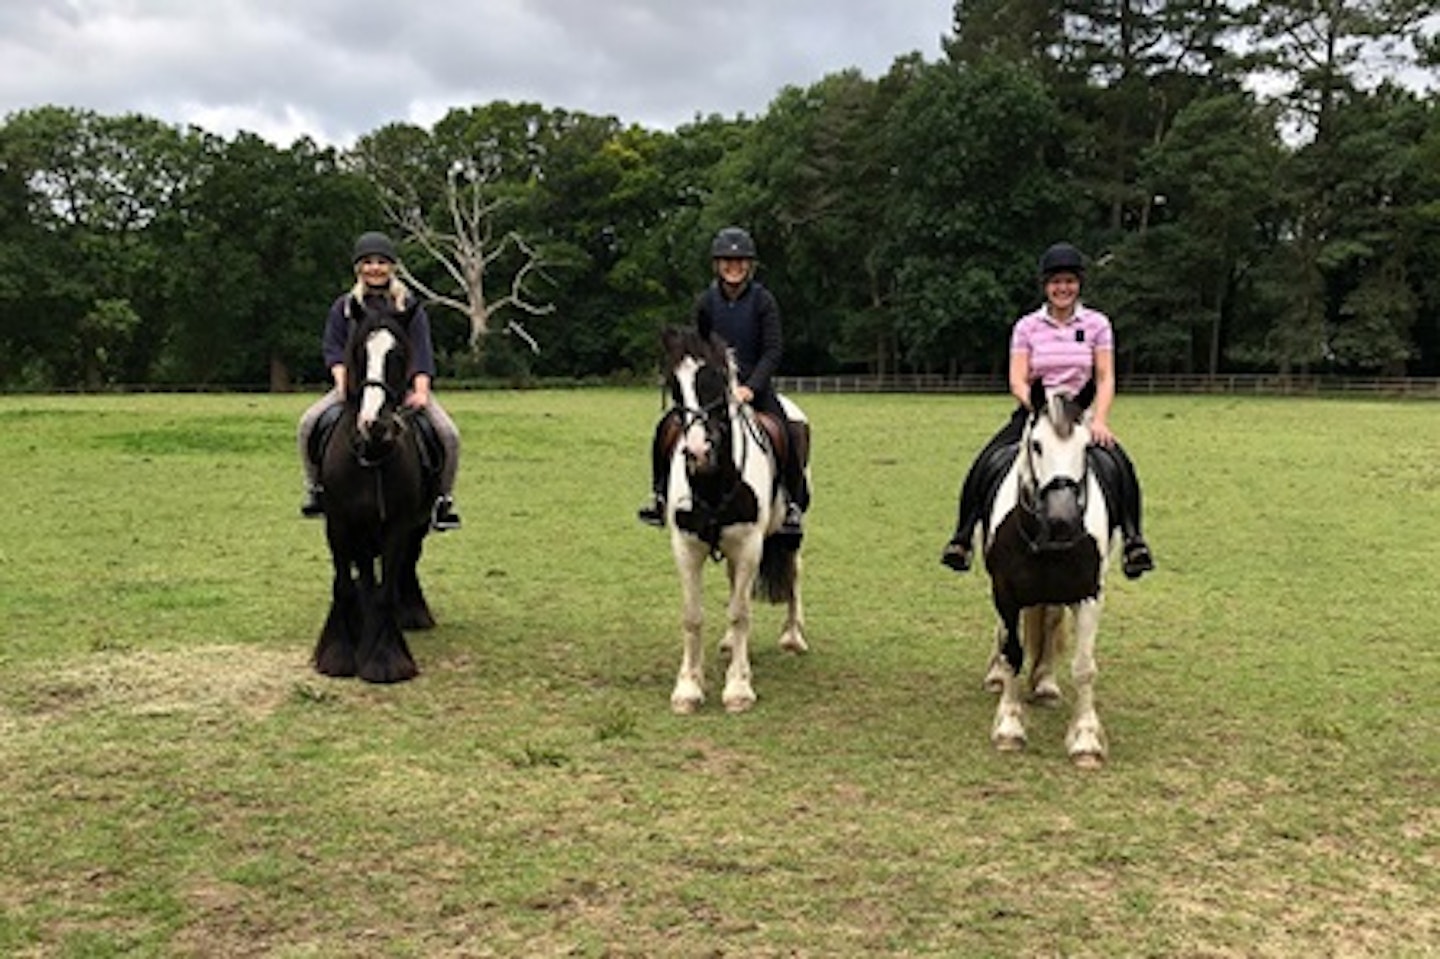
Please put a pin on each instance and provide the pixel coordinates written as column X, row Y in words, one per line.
column 378, row 286
column 746, row 316
column 1065, row 344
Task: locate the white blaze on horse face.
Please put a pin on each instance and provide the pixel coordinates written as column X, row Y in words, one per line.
column 696, row 441
column 1057, row 453
column 372, row 395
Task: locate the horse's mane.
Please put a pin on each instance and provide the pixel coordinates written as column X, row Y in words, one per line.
column 680, row 342
column 1064, row 414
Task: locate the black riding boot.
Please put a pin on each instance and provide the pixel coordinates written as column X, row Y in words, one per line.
column 959, row 552
column 312, row 505
column 1116, row 468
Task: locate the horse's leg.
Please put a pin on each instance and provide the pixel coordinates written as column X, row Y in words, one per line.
column 1085, row 739
column 335, row 649
column 1048, row 623
column 689, row 690
column 414, row 612
column 994, row 680
column 792, row 637
column 384, row 656
column 727, row 640
column 1008, row 730
column 739, row 695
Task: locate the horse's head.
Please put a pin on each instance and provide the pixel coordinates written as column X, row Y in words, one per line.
column 701, row 380
column 1053, row 467
column 377, row 375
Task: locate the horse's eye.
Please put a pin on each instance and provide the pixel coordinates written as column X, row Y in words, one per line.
column 1035, row 447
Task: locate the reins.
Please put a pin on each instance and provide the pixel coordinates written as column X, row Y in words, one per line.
column 692, row 416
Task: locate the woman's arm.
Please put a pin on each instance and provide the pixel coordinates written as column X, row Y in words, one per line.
column 1020, row 378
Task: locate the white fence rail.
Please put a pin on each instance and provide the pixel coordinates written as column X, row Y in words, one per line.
column 1258, row 384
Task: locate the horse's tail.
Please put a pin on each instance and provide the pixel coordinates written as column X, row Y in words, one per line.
column 776, row 580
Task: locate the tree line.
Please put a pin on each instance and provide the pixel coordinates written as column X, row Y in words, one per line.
column 898, row 217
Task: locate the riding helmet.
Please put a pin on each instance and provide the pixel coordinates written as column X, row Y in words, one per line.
column 732, row 243
column 374, row 243
column 1061, row 258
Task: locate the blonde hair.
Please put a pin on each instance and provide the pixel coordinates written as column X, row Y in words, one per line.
column 398, row 292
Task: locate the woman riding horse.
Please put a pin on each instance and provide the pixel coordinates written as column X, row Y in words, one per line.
column 1064, row 344
column 378, row 288
column 744, row 314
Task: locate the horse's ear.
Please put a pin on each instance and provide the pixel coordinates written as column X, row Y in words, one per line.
column 1087, row 394
column 1037, row 396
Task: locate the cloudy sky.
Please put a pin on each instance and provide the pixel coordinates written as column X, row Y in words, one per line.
column 334, row 69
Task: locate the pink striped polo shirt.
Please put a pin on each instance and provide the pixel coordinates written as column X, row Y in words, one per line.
column 1062, row 354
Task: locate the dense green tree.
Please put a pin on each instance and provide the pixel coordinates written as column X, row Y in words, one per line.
column 1171, row 286
column 976, row 195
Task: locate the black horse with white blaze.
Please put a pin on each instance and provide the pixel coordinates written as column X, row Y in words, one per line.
column 379, row 487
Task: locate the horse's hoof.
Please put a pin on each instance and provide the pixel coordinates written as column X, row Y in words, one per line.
column 682, row 705
column 793, row 642
column 1088, row 761
column 1047, row 693
column 739, row 704
column 1009, row 744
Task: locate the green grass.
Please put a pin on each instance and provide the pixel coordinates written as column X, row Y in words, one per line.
column 175, row 781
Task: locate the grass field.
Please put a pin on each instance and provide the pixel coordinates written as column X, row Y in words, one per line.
column 175, row 781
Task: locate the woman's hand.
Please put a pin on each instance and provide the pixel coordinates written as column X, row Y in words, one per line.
column 1100, row 433
column 419, row 396
column 744, row 394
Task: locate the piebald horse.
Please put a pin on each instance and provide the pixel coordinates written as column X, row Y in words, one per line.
column 1046, row 545
column 723, row 500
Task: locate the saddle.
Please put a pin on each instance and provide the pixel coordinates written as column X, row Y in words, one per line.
column 775, row 432
column 427, row 440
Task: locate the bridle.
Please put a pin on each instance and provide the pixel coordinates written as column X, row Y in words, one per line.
column 361, row 445
column 1030, row 499
column 718, row 418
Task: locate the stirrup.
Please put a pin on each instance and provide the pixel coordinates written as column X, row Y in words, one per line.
column 652, row 513
column 443, row 517
column 1138, row 560
column 956, row 555
column 312, row 506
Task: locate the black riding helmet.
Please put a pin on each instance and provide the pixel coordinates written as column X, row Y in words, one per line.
column 374, row 243
column 1061, row 258
column 732, row 243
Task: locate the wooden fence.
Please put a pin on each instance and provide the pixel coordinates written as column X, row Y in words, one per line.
column 1256, row 384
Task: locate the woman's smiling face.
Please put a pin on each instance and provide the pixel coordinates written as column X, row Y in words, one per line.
column 375, row 270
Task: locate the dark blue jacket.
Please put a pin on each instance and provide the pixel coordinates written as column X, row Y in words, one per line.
column 337, row 331
column 750, row 324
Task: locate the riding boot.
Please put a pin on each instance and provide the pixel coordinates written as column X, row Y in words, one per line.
column 444, row 517
column 794, row 522
column 312, row 505
column 666, row 434
column 653, row 512
column 1137, row 558
column 958, row 553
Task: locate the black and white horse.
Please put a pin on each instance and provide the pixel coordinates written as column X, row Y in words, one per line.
column 1046, row 543
column 724, row 500
column 377, row 500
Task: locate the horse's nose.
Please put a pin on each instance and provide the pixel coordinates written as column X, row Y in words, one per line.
column 1063, row 529
column 1062, row 512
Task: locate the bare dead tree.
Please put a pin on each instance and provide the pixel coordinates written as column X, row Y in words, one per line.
column 468, row 251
